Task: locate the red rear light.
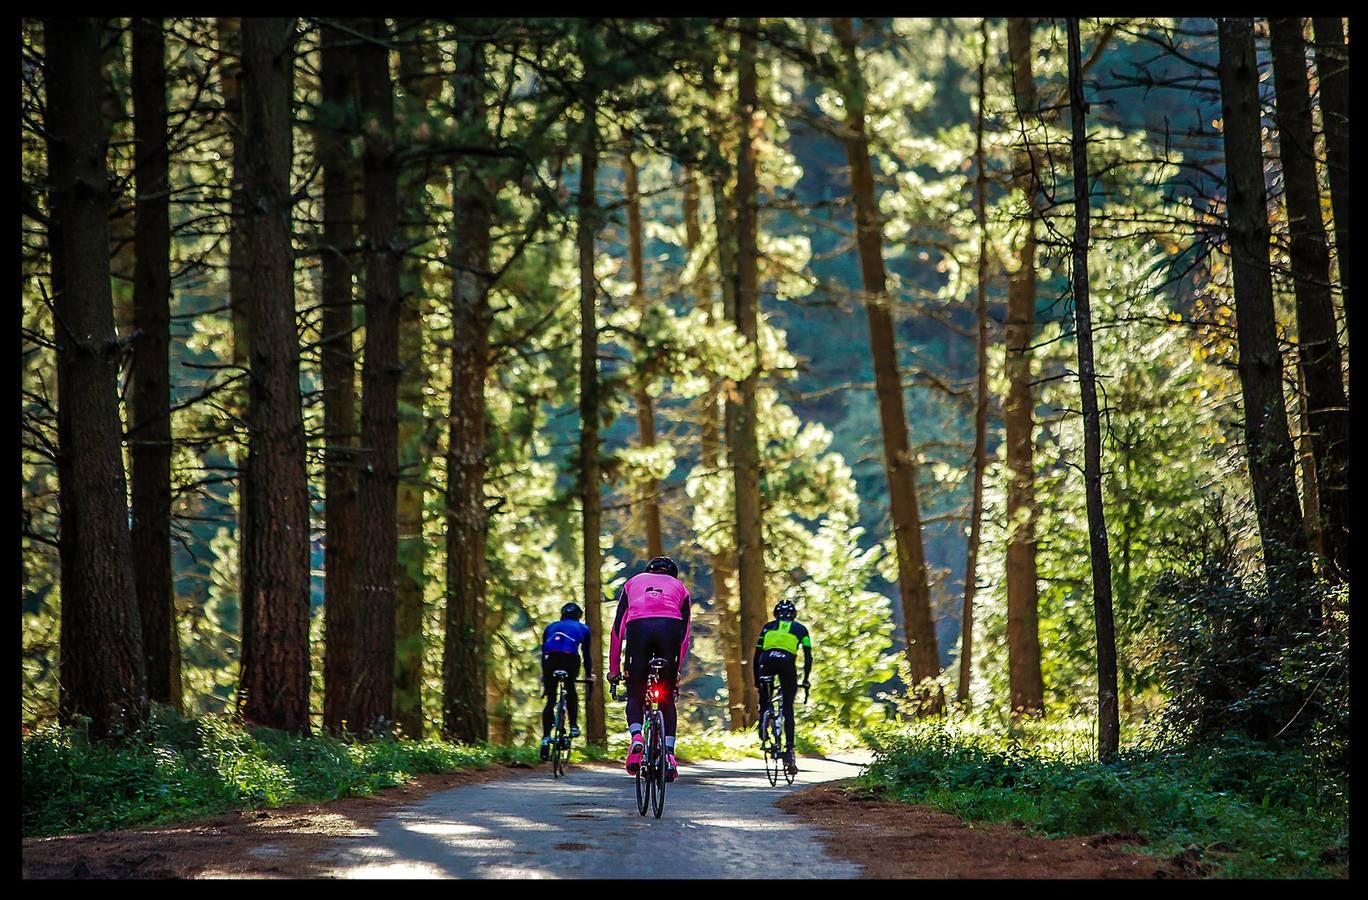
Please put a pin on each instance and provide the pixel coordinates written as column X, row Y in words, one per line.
column 658, row 693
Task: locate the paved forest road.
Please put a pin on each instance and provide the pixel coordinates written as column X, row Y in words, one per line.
column 720, row 822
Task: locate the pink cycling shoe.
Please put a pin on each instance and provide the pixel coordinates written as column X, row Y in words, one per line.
column 634, row 755
column 671, row 767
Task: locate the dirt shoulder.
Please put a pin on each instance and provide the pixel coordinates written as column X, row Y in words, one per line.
column 901, row 840
column 274, row 843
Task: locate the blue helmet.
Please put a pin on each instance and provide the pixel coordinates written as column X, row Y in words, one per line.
column 785, row 609
column 663, row 565
column 572, row 611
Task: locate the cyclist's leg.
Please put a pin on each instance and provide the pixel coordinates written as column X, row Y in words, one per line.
column 571, row 664
column 788, row 685
column 549, row 692
column 635, row 670
column 663, row 639
column 764, row 692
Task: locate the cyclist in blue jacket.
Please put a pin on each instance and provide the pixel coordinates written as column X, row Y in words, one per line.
column 562, row 642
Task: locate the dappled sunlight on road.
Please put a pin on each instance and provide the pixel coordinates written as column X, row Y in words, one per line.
column 587, row 826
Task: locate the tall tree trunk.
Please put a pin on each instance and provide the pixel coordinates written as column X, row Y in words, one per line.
column 372, row 694
column 1306, row 463
column 340, row 188
column 590, row 477
column 1108, row 716
column 900, row 464
column 422, row 85
column 102, row 672
column 645, row 408
column 1023, row 631
column 1318, row 342
column 274, row 686
column 465, row 650
column 710, row 459
column 239, row 266
column 981, row 404
column 149, row 433
column 1332, row 73
column 1268, row 445
column 742, row 442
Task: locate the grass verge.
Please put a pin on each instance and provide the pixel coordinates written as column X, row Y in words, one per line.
column 1232, row 808
column 177, row 769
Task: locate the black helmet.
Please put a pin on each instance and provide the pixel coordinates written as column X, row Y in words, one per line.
column 664, row 565
column 572, row 610
column 785, row 609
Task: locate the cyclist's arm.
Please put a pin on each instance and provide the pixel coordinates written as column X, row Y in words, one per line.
column 615, row 642
column 588, row 657
column 684, row 645
column 755, row 661
column 805, row 640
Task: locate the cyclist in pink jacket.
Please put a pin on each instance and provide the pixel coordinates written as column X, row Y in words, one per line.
column 652, row 620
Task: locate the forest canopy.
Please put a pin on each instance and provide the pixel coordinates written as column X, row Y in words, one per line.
column 1013, row 352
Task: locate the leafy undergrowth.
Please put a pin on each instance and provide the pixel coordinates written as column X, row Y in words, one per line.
column 1229, row 808
column 177, row 769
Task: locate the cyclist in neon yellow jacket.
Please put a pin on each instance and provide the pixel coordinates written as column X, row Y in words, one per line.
column 776, row 653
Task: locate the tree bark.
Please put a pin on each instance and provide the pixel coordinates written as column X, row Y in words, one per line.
column 1327, row 410
column 1306, row 464
column 1268, row 445
column 417, row 62
column 465, row 650
column 710, row 458
column 645, row 408
column 372, row 694
column 899, row 463
column 1023, row 630
column 340, row 188
column 981, row 404
column 274, row 686
column 1108, row 715
column 149, row 433
column 1332, row 73
column 230, row 75
column 102, row 671
column 742, row 442
column 590, row 476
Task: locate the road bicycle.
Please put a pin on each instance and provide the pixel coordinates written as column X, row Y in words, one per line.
column 650, row 777
column 772, row 732
column 560, row 734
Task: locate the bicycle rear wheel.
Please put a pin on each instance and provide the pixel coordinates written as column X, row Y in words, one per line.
column 767, row 748
column 658, row 752
column 643, row 780
column 560, row 749
column 777, row 742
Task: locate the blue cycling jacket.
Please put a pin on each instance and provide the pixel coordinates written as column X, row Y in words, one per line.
column 564, row 636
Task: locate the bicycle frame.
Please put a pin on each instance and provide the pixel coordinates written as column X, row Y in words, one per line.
column 650, row 777
column 561, row 738
column 772, row 731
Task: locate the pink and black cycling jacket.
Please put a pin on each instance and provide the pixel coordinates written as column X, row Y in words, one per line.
column 650, row 595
